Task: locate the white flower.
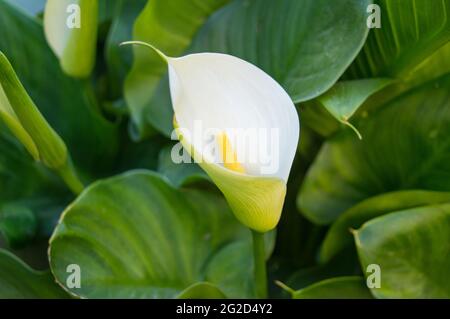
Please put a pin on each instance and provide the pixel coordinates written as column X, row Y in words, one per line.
column 71, row 31
column 255, row 126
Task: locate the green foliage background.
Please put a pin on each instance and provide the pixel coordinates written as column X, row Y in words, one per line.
column 145, row 227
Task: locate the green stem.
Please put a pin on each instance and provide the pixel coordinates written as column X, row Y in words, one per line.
column 69, row 176
column 259, row 257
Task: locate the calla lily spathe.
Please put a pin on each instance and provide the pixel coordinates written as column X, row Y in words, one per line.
column 71, row 31
column 222, row 92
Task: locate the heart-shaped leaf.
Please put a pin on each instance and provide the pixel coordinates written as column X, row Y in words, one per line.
column 134, row 235
column 17, row 280
column 411, row 248
column 409, row 151
column 339, row 236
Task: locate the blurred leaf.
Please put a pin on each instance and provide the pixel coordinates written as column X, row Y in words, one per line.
column 410, row 32
column 143, row 154
column 411, row 248
column 182, row 173
column 71, row 31
column 339, row 236
column 68, row 105
column 169, row 26
column 17, row 224
column 17, row 280
column 344, row 98
column 107, row 10
column 434, row 66
column 119, row 59
column 134, row 235
column 202, row 290
column 336, row 288
column 410, row 150
column 19, row 174
column 28, row 184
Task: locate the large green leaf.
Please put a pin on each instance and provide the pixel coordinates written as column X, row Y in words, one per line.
column 335, row 288
column 17, row 280
column 411, row 247
column 339, row 236
column 410, row 32
column 406, row 146
column 169, row 26
column 134, row 235
column 434, row 66
column 68, row 105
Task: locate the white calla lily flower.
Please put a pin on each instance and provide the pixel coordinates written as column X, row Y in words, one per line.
column 71, row 31
column 254, row 125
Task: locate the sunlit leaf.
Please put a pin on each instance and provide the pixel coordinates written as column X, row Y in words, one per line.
column 411, row 248
column 339, row 236
column 134, row 235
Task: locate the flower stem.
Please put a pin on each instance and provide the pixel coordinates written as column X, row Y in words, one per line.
column 69, row 176
column 259, row 257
